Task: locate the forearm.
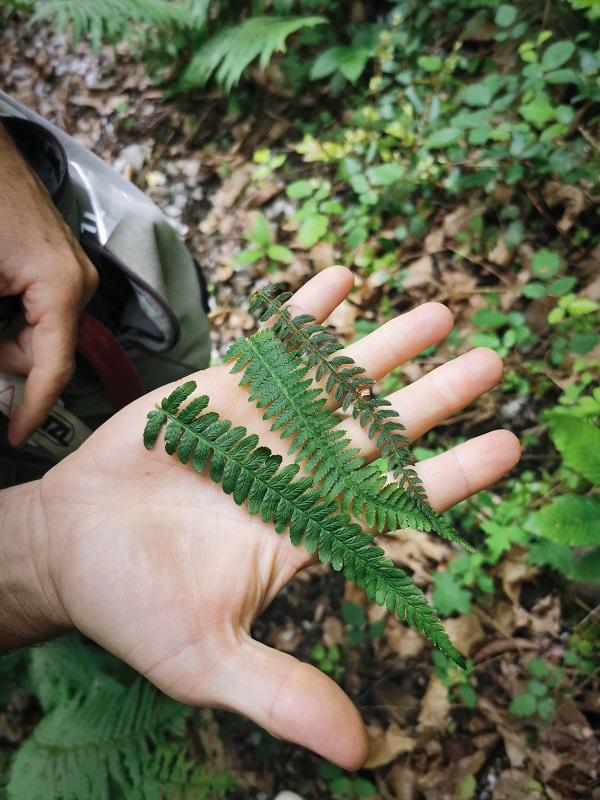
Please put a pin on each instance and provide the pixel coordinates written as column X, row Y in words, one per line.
column 30, row 611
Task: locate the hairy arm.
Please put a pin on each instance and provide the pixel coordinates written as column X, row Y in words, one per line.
column 30, row 611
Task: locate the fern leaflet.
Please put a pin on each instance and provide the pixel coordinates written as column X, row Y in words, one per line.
column 232, row 49
column 348, row 382
column 252, row 473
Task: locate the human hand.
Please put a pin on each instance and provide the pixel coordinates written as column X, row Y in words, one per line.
column 154, row 562
column 40, row 260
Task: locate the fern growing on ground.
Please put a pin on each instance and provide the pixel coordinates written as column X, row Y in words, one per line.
column 106, row 733
column 216, row 39
column 312, row 502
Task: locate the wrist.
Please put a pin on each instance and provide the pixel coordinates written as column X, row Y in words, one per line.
column 30, row 608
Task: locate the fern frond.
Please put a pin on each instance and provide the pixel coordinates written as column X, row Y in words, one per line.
column 232, row 49
column 97, row 745
column 252, row 474
column 279, row 384
column 66, row 668
column 348, row 383
column 111, row 20
column 171, row 776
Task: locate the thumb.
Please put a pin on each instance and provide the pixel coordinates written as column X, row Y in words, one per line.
column 296, row 701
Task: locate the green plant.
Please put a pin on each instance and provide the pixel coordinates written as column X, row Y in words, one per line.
column 307, row 504
column 536, row 700
column 329, row 659
column 458, row 682
column 358, row 628
column 345, row 786
column 573, row 519
column 264, row 246
column 105, row 732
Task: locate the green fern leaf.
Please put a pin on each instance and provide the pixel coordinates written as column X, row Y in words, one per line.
column 227, row 54
column 279, row 384
column 113, row 20
column 252, row 474
column 348, row 382
column 66, row 668
column 171, row 776
column 96, row 745
column 570, row 519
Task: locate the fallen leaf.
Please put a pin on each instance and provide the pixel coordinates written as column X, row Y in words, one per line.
column 387, row 745
column 435, row 707
column 225, row 197
column 418, row 273
column 513, row 571
column 571, row 198
column 500, row 255
column 512, row 784
column 444, row 784
column 434, row 241
column 401, row 639
column 458, row 220
column 403, row 782
column 465, row 632
column 333, row 631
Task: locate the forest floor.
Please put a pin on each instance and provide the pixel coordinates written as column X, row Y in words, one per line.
column 196, row 162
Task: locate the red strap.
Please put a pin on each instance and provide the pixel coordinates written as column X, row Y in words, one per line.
column 113, row 366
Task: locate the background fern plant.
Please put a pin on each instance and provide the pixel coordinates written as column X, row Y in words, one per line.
column 106, row 733
column 197, row 38
column 312, row 503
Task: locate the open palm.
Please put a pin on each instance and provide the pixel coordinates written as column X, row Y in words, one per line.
column 156, row 564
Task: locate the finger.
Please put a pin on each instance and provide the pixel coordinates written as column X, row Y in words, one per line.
column 323, row 293
column 468, row 468
column 400, row 339
column 297, row 702
column 53, row 344
column 433, row 398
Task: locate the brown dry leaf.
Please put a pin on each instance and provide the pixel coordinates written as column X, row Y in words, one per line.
column 500, row 254
column 333, row 631
column 459, row 284
column 434, row 241
column 401, row 639
column 418, row 273
column 287, row 638
column 387, row 745
column 465, row 632
column 403, row 782
column 414, row 549
column 545, row 616
column 571, row 198
column 343, row 320
column 267, row 191
column 322, row 255
column 458, row 220
column 444, row 784
column 513, row 571
column 512, row 785
column 435, row 707
column 514, row 742
column 226, row 196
